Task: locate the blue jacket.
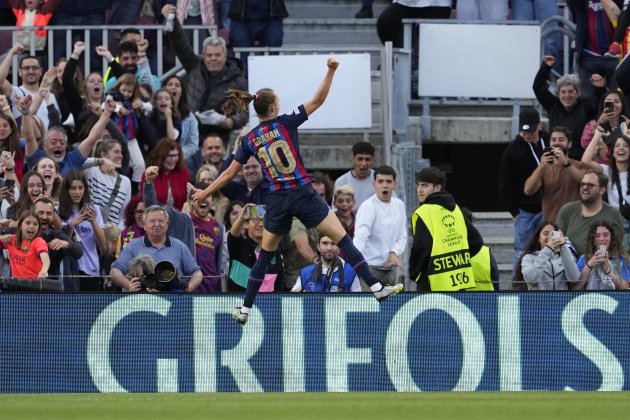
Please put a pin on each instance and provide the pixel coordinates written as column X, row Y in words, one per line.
column 308, row 285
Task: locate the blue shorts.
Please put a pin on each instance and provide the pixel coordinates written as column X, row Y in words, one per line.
column 302, row 202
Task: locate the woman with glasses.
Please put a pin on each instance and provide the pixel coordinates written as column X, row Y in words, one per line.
column 170, row 184
column 110, row 191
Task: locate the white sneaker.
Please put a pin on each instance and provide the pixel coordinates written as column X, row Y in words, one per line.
column 388, row 291
column 240, row 317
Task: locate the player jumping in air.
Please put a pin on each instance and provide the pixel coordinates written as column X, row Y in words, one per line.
column 274, row 142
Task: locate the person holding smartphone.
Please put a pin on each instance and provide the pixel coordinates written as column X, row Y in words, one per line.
column 548, row 262
column 612, row 117
column 557, row 177
column 83, row 219
column 606, row 264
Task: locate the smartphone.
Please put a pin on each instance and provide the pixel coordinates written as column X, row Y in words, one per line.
column 555, row 235
column 256, row 211
column 547, row 150
column 10, row 183
column 602, row 250
column 609, row 106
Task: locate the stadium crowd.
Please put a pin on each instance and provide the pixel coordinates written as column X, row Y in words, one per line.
column 99, row 171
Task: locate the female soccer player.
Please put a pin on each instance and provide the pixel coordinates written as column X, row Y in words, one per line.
column 274, row 142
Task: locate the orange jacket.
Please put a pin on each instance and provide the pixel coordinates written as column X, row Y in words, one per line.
column 42, row 17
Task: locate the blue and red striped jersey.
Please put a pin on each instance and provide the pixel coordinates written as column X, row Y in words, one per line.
column 275, row 145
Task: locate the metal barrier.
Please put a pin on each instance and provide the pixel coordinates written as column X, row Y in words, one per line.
column 199, row 32
column 380, row 56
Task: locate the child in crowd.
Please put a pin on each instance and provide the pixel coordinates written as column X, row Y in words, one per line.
column 28, row 253
column 126, row 94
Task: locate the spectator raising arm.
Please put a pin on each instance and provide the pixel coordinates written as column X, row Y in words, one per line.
column 95, row 133
column 5, row 86
column 183, row 50
column 28, row 125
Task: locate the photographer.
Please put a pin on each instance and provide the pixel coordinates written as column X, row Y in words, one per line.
column 161, row 247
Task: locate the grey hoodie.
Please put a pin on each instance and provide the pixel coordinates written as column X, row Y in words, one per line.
column 548, row 270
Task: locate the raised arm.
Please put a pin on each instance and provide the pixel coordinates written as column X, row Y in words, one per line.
column 75, row 101
column 593, row 151
column 148, row 189
column 322, row 91
column 28, row 125
column 237, row 226
column 222, row 180
column 42, row 93
column 546, row 98
column 5, row 85
column 183, row 50
column 95, row 133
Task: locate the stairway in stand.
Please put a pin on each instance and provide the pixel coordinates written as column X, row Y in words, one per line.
column 498, row 233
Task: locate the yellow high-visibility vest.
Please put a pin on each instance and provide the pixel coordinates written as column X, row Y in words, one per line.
column 450, row 267
column 482, row 269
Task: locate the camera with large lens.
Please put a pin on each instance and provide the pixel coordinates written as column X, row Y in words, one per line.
column 164, row 277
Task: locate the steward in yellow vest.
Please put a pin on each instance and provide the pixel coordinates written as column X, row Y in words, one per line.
column 444, row 242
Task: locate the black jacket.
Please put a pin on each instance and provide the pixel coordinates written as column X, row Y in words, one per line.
column 206, row 90
column 575, row 118
column 517, row 164
column 423, row 241
column 75, row 251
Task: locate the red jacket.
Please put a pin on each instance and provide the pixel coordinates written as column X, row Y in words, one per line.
column 178, row 180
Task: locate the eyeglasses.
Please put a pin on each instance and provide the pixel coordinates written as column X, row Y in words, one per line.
column 588, row 185
column 256, row 220
column 29, row 68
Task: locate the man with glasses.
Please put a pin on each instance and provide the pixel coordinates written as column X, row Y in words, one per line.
column 520, row 158
column 157, row 244
column 576, row 218
column 30, row 71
